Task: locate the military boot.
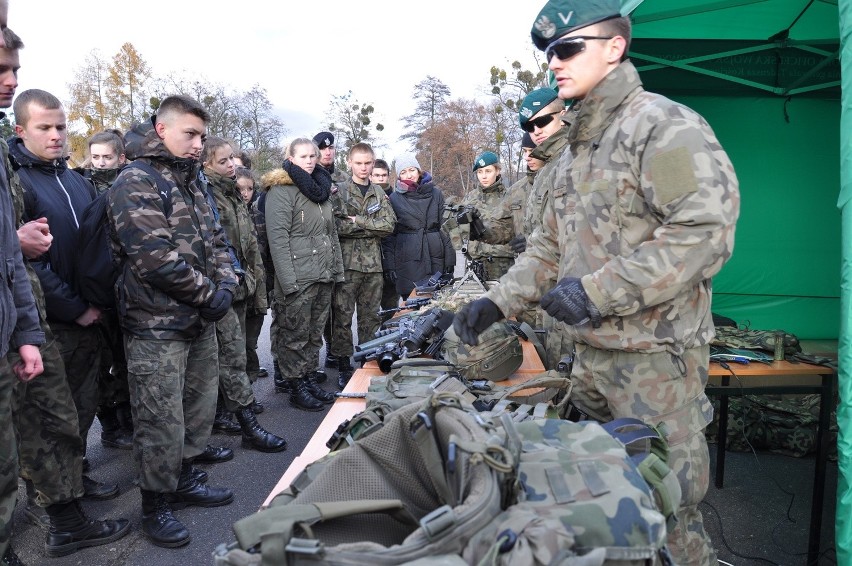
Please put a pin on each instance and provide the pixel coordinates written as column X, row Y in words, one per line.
column 317, row 391
column 223, row 421
column 255, row 436
column 93, row 489
column 344, row 372
column 330, row 360
column 113, row 434
column 301, row 396
column 159, row 525
column 189, row 492
column 10, row 558
column 70, row 529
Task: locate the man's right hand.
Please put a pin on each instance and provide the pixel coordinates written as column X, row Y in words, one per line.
column 474, row 318
column 218, row 306
column 35, row 238
column 30, row 365
column 90, row 316
column 518, row 244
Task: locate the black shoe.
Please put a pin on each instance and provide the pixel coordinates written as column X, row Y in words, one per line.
column 199, row 475
column 302, row 398
column 214, row 455
column 256, row 408
column 344, row 372
column 255, row 436
column 191, row 493
column 96, row 490
column 70, row 529
column 112, row 433
column 10, row 558
column 159, row 525
column 330, row 361
column 262, row 372
column 283, row 385
column 317, row 391
column 224, row 422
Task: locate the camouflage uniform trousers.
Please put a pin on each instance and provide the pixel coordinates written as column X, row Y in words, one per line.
column 233, row 380
column 81, row 353
column 660, row 389
column 364, row 292
column 173, row 395
column 49, row 443
column 297, row 324
column 8, row 455
column 495, row 267
column 254, row 326
column 112, row 376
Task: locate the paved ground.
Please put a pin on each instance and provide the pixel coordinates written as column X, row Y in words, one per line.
column 760, row 517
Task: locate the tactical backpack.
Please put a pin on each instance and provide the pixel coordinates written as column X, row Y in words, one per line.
column 96, row 268
column 439, row 481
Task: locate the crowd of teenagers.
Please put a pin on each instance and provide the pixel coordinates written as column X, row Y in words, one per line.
column 609, row 244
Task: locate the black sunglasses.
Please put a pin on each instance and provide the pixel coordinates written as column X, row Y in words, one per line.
column 539, row 122
column 568, row 47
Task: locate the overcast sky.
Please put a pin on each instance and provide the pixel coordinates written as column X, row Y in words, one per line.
column 301, row 52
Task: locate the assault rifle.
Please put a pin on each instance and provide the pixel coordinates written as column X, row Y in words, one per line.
column 409, row 304
column 435, row 281
column 467, row 214
column 416, row 335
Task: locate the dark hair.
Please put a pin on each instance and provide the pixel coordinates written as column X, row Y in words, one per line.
column 21, row 107
column 381, row 164
column 211, row 144
column 109, row 137
column 246, row 173
column 12, row 40
column 243, row 156
column 618, row 26
column 180, row 104
column 361, row 147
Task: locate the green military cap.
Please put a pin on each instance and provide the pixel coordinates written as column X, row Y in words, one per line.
column 534, row 102
column 485, row 159
column 559, row 17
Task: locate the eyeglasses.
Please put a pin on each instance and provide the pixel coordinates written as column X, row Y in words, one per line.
column 568, row 47
column 539, row 122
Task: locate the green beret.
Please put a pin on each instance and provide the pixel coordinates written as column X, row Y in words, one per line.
column 485, row 159
column 534, row 102
column 559, row 17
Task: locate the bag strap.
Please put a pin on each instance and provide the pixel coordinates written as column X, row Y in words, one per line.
column 163, row 187
column 549, row 381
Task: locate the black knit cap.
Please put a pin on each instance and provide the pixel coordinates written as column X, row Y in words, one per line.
column 324, row 139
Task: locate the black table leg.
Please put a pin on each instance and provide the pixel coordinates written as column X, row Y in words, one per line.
column 825, row 404
column 722, row 436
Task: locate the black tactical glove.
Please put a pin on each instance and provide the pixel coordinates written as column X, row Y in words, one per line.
column 474, row 318
column 390, row 275
column 518, row 244
column 218, row 305
column 568, row 303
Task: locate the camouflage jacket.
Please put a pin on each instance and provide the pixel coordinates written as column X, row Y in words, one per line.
column 239, row 229
column 361, row 240
column 549, row 151
column 302, row 237
column 19, row 317
column 488, row 202
column 645, row 215
column 171, row 265
column 515, row 202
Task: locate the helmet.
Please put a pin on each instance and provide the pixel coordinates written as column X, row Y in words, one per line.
column 497, row 356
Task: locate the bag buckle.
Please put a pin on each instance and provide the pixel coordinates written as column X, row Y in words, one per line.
column 438, row 521
column 304, row 546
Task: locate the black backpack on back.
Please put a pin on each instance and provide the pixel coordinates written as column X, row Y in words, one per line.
column 97, row 269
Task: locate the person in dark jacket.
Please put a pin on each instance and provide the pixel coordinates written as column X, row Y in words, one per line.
column 418, row 246
column 55, row 192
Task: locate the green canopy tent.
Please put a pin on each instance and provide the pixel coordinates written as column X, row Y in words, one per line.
column 767, row 76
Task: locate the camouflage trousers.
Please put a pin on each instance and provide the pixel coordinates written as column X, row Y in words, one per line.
column 49, row 443
column 8, row 455
column 666, row 390
column 297, row 324
column 364, row 292
column 112, row 377
column 254, row 326
column 173, row 396
column 81, row 353
column 233, row 380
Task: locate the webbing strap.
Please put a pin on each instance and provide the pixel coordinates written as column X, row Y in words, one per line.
column 664, row 483
column 422, row 427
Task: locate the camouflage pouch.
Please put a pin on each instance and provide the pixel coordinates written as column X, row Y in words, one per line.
column 497, row 356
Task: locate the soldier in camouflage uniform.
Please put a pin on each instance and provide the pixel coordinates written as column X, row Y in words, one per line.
column 364, row 216
column 45, row 417
column 175, row 281
column 234, row 384
column 491, row 248
column 631, row 240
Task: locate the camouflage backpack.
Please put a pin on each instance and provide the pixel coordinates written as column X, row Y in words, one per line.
column 440, row 483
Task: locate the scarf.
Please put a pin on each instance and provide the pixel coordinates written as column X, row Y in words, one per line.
column 316, row 186
column 405, row 186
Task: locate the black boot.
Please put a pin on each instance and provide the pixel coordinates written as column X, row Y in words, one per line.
column 70, row 529
column 10, row 558
column 159, row 525
column 344, row 372
column 256, row 408
column 93, row 489
column 223, row 421
column 330, row 360
column 316, row 390
column 190, row 492
column 214, row 455
column 255, row 436
column 113, row 434
column 319, row 376
column 301, row 397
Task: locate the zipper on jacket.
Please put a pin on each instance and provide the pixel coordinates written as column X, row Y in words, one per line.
column 67, row 197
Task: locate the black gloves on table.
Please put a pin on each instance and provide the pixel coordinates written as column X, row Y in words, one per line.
column 474, row 318
column 568, row 303
column 218, row 305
